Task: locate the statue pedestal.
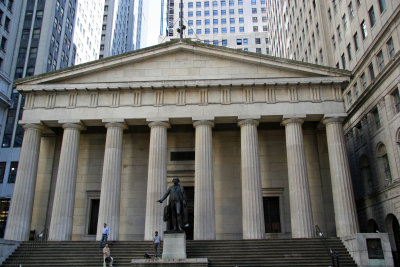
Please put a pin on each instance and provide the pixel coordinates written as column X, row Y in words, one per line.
column 174, row 245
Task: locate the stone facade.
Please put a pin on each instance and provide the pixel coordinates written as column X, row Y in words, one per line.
column 238, row 112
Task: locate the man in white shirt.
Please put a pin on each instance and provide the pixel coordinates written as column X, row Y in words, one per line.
column 157, row 243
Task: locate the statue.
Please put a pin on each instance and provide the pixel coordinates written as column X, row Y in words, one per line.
column 175, row 213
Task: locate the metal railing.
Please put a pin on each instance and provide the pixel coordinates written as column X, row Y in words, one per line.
column 331, row 252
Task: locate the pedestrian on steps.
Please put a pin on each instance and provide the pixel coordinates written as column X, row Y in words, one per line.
column 105, row 233
column 157, row 243
column 107, row 256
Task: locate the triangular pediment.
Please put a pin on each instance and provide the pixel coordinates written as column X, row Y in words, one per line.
column 184, row 60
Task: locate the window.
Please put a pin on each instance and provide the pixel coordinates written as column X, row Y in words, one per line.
column 36, row 34
column 255, row 28
column 253, row 2
column 264, row 19
column 371, row 72
column 232, row 30
column 206, row 4
column 198, row 22
column 265, row 28
column 224, row 42
column 231, row 3
column 190, row 5
column 33, row 52
column 351, row 10
column 343, row 61
column 377, row 120
column 198, row 4
column 255, row 19
column 344, row 19
column 317, row 28
column 382, row 5
column 240, row 2
column 383, row 164
column 355, row 90
column 2, row 171
column 241, row 20
column 13, row 173
column 363, row 29
column 334, row 5
column 239, row 41
column 3, row 43
column 339, row 33
column 223, row 3
column 396, row 100
column 10, row 5
column 380, row 61
column 223, row 30
column 190, row 32
column 198, row 31
column 190, row 22
column 207, row 22
column 231, row 11
column 223, row 21
column 372, row 18
column 329, row 14
column 258, row 40
column 240, row 10
column 254, row 10
column 333, row 41
column 206, row 41
column 215, row 3
column 198, row 13
column 390, row 48
column 349, row 51
column 190, row 14
column 321, row 56
column 223, row 12
column 215, row 21
column 207, row 30
column 241, row 29
column 258, row 50
column 215, row 30
column 245, row 41
column 349, row 98
column 207, row 13
column 215, row 12
column 363, row 81
column 7, row 24
column 355, row 40
column 215, row 42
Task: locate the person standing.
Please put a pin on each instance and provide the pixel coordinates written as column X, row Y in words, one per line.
column 107, row 256
column 104, row 236
column 157, row 243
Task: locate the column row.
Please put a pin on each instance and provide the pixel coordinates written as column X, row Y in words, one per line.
column 18, row 224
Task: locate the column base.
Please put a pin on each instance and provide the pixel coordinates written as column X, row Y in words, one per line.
column 369, row 249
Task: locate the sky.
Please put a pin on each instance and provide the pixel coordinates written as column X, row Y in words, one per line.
column 153, row 22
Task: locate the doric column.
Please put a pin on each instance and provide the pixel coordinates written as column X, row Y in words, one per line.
column 342, row 190
column 64, row 196
column 252, row 203
column 299, row 191
column 20, row 214
column 111, row 181
column 204, row 210
column 157, row 178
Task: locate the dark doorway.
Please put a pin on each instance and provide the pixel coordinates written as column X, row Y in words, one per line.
column 272, row 215
column 396, row 235
column 4, row 206
column 189, row 190
column 94, row 215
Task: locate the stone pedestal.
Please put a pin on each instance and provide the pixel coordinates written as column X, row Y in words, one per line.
column 174, row 246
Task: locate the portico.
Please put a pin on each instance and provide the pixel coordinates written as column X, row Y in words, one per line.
column 259, row 127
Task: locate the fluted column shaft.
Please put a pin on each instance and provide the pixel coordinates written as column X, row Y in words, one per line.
column 110, row 194
column 20, row 214
column 64, row 197
column 299, row 191
column 252, row 204
column 204, row 209
column 342, row 190
column 157, row 179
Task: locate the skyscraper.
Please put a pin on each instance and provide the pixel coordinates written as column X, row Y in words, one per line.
column 232, row 23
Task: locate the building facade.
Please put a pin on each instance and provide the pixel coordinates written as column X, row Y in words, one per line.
column 363, row 37
column 236, row 24
column 122, row 29
column 104, row 139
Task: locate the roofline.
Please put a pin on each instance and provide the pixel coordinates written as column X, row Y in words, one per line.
column 182, row 41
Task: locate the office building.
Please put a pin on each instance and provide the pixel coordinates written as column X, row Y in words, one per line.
column 238, row 24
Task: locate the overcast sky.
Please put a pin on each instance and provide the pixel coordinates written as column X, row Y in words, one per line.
column 153, row 21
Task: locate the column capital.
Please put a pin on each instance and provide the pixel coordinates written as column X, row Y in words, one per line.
column 159, row 123
column 203, row 122
column 292, row 119
column 248, row 122
column 73, row 124
column 36, row 126
column 116, row 125
column 327, row 120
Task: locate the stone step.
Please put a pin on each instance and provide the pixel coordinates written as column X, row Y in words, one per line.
column 283, row 252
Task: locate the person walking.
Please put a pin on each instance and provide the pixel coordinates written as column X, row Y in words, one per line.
column 157, row 243
column 107, row 256
column 105, row 233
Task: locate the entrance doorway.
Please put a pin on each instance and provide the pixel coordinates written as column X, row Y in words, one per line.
column 94, row 215
column 272, row 216
column 189, row 190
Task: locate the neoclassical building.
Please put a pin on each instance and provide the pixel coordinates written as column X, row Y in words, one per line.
column 257, row 141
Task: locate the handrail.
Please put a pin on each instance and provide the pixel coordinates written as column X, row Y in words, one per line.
column 332, row 253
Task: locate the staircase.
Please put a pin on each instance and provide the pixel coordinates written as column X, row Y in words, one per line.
column 282, row 252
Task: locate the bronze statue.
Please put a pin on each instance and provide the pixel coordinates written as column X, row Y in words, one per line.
column 175, row 212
